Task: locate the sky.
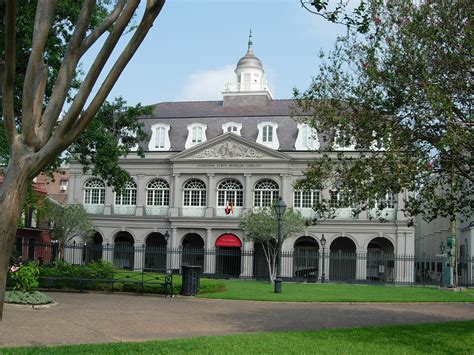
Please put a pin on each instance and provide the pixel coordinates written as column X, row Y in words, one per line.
column 194, row 46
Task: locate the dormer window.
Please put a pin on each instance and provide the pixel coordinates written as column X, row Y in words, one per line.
column 196, row 134
column 159, row 137
column 232, row 127
column 267, row 134
column 307, row 138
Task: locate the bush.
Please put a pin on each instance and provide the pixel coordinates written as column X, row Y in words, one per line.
column 33, row 298
column 25, row 277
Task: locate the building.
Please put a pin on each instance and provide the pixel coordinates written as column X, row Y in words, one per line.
column 56, row 187
column 207, row 162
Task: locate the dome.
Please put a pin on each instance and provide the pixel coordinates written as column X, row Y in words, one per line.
column 249, row 61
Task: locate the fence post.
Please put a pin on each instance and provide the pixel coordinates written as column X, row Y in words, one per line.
column 247, row 260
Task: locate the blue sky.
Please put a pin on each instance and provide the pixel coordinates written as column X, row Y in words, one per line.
column 193, row 48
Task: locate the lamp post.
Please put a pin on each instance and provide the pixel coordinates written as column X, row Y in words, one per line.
column 280, row 209
column 167, row 236
column 323, row 244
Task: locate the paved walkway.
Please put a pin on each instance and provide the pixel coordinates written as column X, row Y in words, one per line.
column 96, row 318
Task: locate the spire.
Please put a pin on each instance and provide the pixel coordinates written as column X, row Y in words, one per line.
column 250, row 43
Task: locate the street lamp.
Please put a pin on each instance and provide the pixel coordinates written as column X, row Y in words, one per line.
column 280, row 209
column 167, row 236
column 323, row 244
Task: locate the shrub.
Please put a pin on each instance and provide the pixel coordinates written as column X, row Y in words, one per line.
column 25, row 277
column 33, row 298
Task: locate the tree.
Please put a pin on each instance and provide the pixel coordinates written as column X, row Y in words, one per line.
column 68, row 222
column 261, row 226
column 38, row 132
column 402, row 90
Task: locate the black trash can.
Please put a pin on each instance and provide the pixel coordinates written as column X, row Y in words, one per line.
column 191, row 276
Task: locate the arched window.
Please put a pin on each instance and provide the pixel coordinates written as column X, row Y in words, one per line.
column 196, row 134
column 266, row 191
column 232, row 127
column 94, row 192
column 159, row 137
column 128, row 196
column 158, row 193
column 267, row 134
column 230, row 191
column 194, row 193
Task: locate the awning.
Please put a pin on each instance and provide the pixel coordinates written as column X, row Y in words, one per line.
column 228, row 240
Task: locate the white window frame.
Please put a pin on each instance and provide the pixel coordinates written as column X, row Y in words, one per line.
column 194, row 193
column 261, row 194
column 94, row 190
column 128, row 197
column 233, row 126
column 307, row 138
column 263, row 133
column 300, row 197
column 152, row 146
column 158, row 193
column 195, row 129
column 230, row 191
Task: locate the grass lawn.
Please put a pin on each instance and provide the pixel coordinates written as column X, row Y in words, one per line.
column 302, row 292
column 436, row 338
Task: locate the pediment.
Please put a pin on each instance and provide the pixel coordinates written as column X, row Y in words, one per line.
column 229, row 146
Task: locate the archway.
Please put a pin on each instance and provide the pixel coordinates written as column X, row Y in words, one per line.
column 306, row 258
column 342, row 260
column 94, row 248
column 380, row 260
column 228, row 255
column 124, row 251
column 155, row 252
column 260, row 263
column 193, row 250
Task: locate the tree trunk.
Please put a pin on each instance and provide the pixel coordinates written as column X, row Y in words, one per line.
column 12, row 196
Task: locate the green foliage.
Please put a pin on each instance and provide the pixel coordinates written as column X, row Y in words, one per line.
column 402, row 91
column 32, row 298
column 69, row 222
column 261, row 226
column 25, row 278
column 98, row 269
column 111, row 135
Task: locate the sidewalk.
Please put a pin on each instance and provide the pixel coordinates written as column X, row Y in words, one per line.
column 98, row 318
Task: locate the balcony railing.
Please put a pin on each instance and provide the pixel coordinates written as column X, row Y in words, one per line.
column 386, row 213
column 193, row 211
column 244, row 87
column 94, row 209
column 307, row 213
column 220, row 212
column 125, row 209
column 156, row 210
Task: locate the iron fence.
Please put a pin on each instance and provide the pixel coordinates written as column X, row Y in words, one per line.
column 310, row 265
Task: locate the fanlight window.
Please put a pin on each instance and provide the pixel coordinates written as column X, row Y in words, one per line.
column 158, row 193
column 266, row 191
column 128, row 196
column 94, row 192
column 230, row 192
column 194, row 193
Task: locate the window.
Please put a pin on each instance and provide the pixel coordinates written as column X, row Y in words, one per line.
column 232, row 127
column 94, row 192
column 194, row 193
column 339, row 199
column 267, row 134
column 128, row 196
column 307, row 138
column 230, row 191
column 63, row 185
column 158, row 193
column 266, row 191
column 343, row 141
column 159, row 137
column 388, row 201
column 196, row 134
column 306, row 199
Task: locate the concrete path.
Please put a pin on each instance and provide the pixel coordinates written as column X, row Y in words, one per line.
column 98, row 318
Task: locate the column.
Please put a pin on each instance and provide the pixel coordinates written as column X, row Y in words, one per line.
column 248, row 201
column 141, row 195
column 175, row 198
column 175, row 252
column 286, row 189
column 108, row 252
column 75, row 189
column 361, row 264
column 138, row 256
column 247, row 260
column 209, row 256
column 211, row 195
column 109, row 200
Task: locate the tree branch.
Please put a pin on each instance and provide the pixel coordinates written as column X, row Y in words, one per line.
column 66, row 72
column 96, row 68
column 151, row 12
column 34, row 71
column 9, row 73
column 104, row 26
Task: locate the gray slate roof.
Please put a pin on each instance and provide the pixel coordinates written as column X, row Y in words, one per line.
column 213, row 114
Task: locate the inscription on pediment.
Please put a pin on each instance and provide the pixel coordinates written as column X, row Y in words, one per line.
column 228, row 150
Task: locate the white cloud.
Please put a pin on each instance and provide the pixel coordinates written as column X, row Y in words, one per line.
column 207, row 84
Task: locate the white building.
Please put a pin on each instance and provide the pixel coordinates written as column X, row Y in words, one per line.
column 244, row 151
